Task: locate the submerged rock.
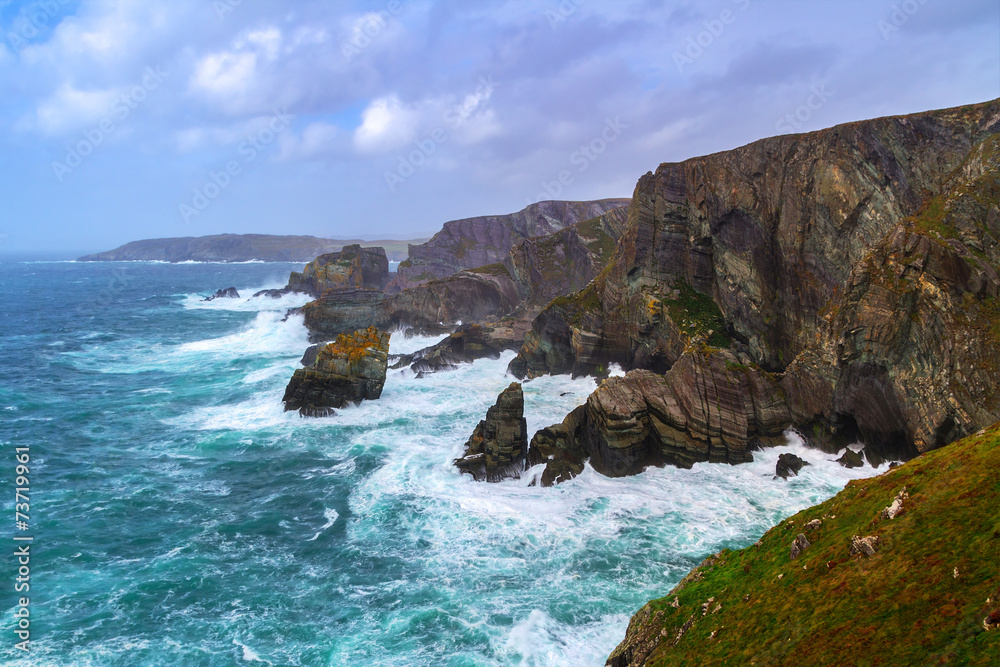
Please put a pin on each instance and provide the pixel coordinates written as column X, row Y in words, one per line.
column 272, row 293
column 346, row 371
column 788, row 464
column 227, row 293
column 498, row 447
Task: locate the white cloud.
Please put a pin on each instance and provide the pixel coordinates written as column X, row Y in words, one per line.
column 71, row 109
column 225, row 74
column 267, row 42
column 386, row 125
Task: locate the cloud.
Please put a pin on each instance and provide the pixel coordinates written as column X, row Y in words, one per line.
column 386, row 125
column 70, row 109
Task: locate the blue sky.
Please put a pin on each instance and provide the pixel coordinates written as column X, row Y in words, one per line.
column 123, row 120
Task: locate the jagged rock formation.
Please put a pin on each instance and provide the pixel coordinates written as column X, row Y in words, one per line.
column 469, row 343
column 498, row 447
column 353, row 267
column 533, row 272
column 788, row 465
column 836, row 595
column 854, row 270
column 227, row 293
column 346, row 371
column 473, row 242
column 237, row 248
column 707, row 407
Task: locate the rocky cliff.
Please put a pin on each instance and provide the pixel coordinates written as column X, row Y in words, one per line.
column 473, row 242
column 352, row 267
column 852, row 271
column 237, row 248
column 895, row 570
column 533, row 272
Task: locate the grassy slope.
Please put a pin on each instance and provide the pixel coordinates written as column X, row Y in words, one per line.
column 904, row 606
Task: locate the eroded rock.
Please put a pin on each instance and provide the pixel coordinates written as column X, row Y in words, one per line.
column 347, row 371
column 498, row 448
column 227, row 293
column 789, row 464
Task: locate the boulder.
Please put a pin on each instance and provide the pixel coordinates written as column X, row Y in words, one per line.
column 799, row 544
column 866, row 546
column 788, row 464
column 498, row 448
column 227, row 293
column 851, row 459
column 346, row 371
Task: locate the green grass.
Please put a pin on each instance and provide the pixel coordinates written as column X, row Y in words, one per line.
column 696, row 314
column 497, row 269
column 904, row 606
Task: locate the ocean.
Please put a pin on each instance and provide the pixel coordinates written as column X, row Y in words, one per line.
column 180, row 517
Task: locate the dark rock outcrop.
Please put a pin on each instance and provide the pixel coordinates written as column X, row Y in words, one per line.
column 851, row 459
column 474, row 242
column 346, row 371
column 788, row 464
column 227, row 293
column 464, row 346
column 272, row 293
column 498, row 447
column 353, row 267
column 707, row 407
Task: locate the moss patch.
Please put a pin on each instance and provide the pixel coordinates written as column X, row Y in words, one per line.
column 696, row 314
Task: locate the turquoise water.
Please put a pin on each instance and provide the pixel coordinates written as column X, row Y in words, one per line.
column 180, row 517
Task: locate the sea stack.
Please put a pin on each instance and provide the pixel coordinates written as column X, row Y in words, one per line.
column 347, row 371
column 498, row 447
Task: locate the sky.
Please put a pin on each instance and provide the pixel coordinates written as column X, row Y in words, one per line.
column 129, row 119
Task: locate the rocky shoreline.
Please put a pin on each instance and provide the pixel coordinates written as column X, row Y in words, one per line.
column 844, row 284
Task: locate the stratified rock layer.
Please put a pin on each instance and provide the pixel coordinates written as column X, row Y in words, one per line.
column 354, row 267
column 346, row 371
column 498, row 447
column 853, row 272
column 473, row 242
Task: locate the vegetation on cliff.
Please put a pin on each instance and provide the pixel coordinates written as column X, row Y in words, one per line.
column 921, row 593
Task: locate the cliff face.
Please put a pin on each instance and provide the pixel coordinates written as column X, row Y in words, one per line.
column 474, row 242
column 899, row 569
column 857, row 263
column 532, row 273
